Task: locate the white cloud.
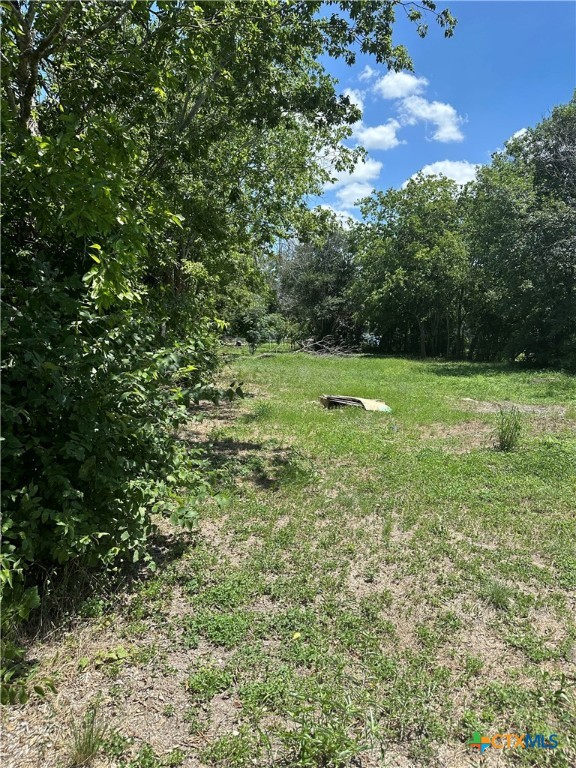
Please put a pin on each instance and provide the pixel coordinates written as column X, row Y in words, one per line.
column 367, row 73
column 520, row 133
column 356, row 97
column 443, row 116
column 413, row 107
column 352, row 186
column 348, row 195
column 461, row 171
column 378, row 136
column 399, row 85
column 363, row 172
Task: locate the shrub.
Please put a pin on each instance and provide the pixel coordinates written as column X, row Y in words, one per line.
column 89, row 426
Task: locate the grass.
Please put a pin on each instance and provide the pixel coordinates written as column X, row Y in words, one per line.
column 87, row 736
column 378, row 587
column 509, row 429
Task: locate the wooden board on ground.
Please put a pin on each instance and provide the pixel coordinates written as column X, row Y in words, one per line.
column 338, row 401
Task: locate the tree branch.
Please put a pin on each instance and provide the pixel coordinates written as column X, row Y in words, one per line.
column 126, row 6
column 23, row 31
column 54, row 32
column 30, row 15
column 15, row 7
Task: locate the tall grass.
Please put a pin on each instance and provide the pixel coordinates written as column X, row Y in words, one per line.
column 87, row 736
column 508, row 429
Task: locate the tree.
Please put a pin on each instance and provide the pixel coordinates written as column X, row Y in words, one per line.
column 152, row 152
column 314, row 283
column 522, row 238
column 413, row 266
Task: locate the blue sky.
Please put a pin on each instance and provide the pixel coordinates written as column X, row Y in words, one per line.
column 507, row 66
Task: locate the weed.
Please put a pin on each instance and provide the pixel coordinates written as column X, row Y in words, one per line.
column 448, row 624
column 223, row 629
column 428, row 637
column 261, row 411
column 370, row 573
column 240, row 748
column 194, row 724
column 92, row 607
column 508, row 429
column 206, row 682
column 146, row 758
column 18, row 679
column 175, row 758
column 525, row 639
column 88, row 736
column 115, row 656
column 326, row 738
column 115, row 745
column 473, row 666
column 270, row 694
column 497, row 595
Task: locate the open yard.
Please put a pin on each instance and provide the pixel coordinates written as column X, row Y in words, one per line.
column 373, row 589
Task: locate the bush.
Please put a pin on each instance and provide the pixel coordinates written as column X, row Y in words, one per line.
column 89, row 428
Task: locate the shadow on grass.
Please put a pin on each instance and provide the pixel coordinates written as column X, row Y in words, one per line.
column 468, row 369
column 266, row 464
column 74, row 591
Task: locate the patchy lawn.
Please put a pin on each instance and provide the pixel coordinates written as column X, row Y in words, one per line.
column 378, row 588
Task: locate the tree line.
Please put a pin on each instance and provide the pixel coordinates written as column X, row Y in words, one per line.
column 486, row 271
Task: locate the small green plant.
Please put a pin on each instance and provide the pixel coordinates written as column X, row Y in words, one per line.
column 508, row 429
column 17, row 678
column 497, row 595
column 175, row 758
column 116, row 745
column 240, row 748
column 331, row 736
column 92, row 607
column 194, row 724
column 88, row 736
column 223, row 629
column 473, row 666
column 321, row 743
column 146, row 758
column 116, row 655
column 206, row 682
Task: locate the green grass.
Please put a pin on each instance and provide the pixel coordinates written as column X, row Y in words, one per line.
column 418, row 575
column 379, row 586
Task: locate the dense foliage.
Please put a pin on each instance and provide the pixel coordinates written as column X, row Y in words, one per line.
column 313, row 282
column 521, row 230
column 414, row 266
column 153, row 153
column 487, row 271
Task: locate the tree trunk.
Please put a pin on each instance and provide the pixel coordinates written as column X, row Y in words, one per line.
column 422, row 338
column 459, row 323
